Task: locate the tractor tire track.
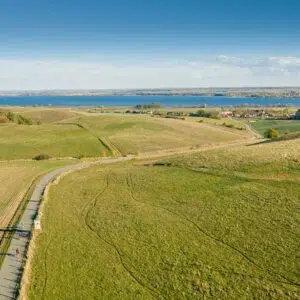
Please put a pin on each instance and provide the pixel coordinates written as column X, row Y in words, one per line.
column 112, row 245
column 216, row 239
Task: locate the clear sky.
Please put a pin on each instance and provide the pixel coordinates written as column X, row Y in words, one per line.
column 141, row 44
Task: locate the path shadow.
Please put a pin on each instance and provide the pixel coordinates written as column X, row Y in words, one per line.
column 35, row 201
column 14, row 230
column 6, row 254
column 8, row 229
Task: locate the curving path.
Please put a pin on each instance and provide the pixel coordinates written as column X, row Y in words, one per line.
column 11, row 270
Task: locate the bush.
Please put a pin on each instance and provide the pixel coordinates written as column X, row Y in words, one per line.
column 271, row 133
column 23, row 120
column 42, row 156
column 10, row 116
column 201, row 113
column 228, row 125
column 297, row 115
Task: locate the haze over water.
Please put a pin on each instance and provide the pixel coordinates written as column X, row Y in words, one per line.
column 178, row 101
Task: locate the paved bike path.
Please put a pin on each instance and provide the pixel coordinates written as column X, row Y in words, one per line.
column 10, row 273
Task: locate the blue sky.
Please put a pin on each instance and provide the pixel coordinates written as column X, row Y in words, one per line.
column 94, row 44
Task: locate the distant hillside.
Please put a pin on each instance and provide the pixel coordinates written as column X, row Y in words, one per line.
column 281, row 92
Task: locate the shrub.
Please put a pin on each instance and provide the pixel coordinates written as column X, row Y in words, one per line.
column 42, row 156
column 271, row 133
column 201, row 113
column 23, row 120
column 297, row 115
column 228, row 125
column 10, row 116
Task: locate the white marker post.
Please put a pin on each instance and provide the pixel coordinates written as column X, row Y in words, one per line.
column 37, row 224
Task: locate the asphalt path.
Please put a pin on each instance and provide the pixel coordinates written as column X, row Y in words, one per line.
column 11, row 270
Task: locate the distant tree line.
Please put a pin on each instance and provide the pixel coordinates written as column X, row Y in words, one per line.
column 148, row 106
column 205, row 114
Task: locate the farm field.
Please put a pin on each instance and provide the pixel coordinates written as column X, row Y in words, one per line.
column 138, row 134
column 222, row 121
column 283, row 126
column 187, row 227
column 15, row 179
column 49, row 115
column 27, row 141
column 42, row 114
column 63, row 133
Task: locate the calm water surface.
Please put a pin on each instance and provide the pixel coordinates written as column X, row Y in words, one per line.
column 178, row 101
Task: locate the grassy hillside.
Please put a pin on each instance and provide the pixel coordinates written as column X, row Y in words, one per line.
column 49, row 115
column 62, row 134
column 24, row 141
column 42, row 114
column 217, row 225
column 283, row 126
column 138, row 134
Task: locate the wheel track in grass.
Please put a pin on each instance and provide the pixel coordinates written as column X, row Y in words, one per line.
column 50, row 241
column 112, row 245
column 104, row 141
column 130, row 185
column 72, row 168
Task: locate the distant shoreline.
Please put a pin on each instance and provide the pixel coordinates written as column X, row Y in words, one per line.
column 157, row 95
column 177, row 101
column 241, row 92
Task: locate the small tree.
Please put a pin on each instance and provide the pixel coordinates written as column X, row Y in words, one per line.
column 271, row 133
column 297, row 115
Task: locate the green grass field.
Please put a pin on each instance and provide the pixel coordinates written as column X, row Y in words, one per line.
column 23, row 141
column 214, row 225
column 283, row 126
column 64, row 134
column 139, row 134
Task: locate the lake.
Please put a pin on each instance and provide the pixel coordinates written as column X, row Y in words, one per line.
column 177, row 101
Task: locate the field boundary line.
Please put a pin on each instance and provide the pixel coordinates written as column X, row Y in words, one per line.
column 250, row 129
column 104, row 141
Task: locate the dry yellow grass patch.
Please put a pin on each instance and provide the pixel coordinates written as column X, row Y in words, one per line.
column 15, row 179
